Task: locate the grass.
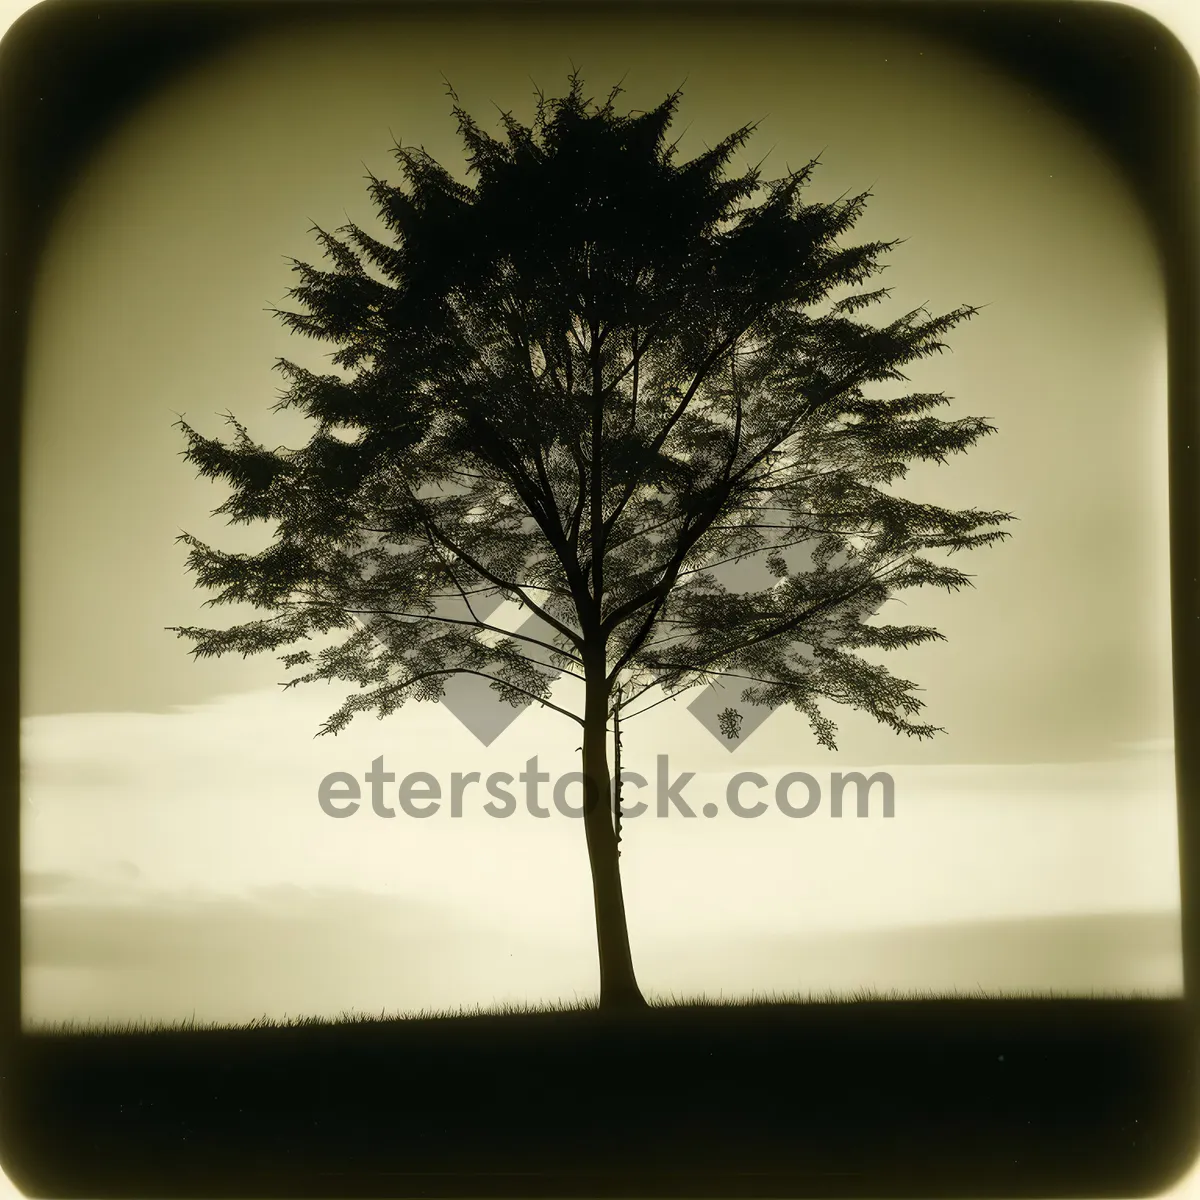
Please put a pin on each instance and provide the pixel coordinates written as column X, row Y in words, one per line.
column 663, row 1002
column 770, row 1095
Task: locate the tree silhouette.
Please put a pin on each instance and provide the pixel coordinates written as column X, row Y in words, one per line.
column 618, row 390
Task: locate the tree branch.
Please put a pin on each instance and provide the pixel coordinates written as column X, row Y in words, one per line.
column 495, row 679
column 504, row 584
column 473, row 624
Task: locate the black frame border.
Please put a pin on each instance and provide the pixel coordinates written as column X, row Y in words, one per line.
column 69, row 71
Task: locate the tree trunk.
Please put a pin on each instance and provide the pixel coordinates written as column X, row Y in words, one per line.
column 618, row 985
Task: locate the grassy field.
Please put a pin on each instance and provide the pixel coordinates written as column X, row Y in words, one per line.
column 875, row 1095
column 669, row 1002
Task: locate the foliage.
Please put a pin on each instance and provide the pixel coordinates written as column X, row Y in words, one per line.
column 627, row 392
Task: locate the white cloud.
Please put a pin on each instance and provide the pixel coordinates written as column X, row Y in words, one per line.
column 212, row 804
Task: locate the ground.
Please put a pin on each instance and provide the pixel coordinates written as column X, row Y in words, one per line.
column 925, row 1097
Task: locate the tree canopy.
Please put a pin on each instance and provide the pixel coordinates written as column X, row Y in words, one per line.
column 591, row 380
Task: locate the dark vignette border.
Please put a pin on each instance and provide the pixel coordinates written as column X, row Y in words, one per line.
column 622, row 1110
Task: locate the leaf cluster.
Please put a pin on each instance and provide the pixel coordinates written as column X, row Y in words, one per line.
column 622, row 394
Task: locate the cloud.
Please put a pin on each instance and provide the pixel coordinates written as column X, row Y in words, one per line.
column 1102, row 952
column 211, row 878
column 276, row 950
column 35, row 884
column 1149, row 746
column 81, row 772
column 326, row 952
column 173, row 931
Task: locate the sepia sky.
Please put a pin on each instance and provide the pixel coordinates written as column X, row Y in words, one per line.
column 171, row 833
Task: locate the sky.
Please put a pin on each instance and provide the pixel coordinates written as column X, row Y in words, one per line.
column 176, row 856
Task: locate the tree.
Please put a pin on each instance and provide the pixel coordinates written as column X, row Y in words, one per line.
column 620, row 390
